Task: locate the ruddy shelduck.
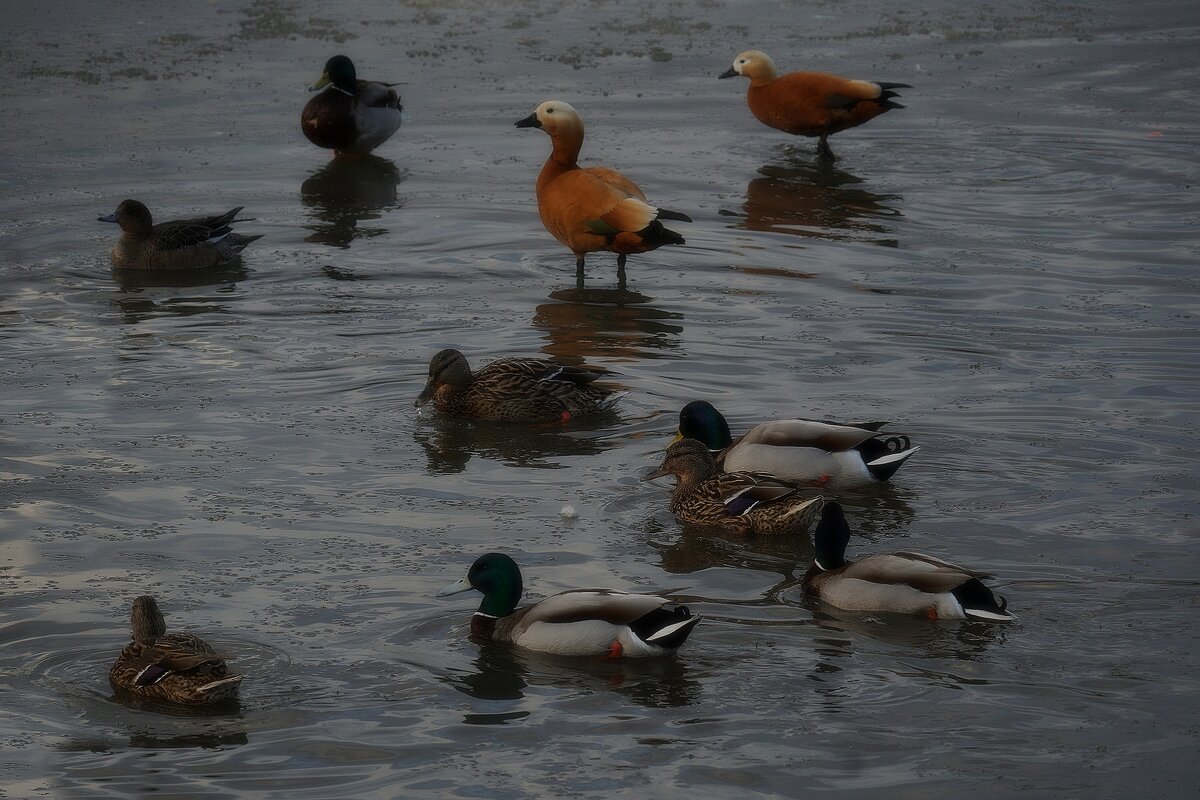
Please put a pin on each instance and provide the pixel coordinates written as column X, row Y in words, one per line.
column 810, row 103
column 593, row 208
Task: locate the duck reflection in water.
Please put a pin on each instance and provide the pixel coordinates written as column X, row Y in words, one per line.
column 226, row 276
column 449, row 442
column 816, row 200
column 589, row 323
column 346, row 191
column 503, row 673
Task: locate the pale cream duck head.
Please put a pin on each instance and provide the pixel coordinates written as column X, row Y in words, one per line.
column 753, row 64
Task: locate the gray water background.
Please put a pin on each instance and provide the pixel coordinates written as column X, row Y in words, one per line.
column 1006, row 269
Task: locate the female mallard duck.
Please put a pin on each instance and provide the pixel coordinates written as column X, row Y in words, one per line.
column 799, row 450
column 350, row 116
column 594, row 208
column 514, row 389
column 580, row 622
column 172, row 667
column 904, row 583
column 175, row 245
column 750, row 502
column 810, row 103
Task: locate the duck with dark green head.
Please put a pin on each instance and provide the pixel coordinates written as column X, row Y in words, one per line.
column 901, row 583
column 171, row 667
column 799, row 450
column 581, row 622
column 350, row 116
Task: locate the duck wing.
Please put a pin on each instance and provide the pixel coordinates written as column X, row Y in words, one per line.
column 373, row 94
column 579, row 605
column 831, row 437
column 921, row 572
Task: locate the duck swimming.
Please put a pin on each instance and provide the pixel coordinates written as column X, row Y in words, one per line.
column 514, row 389
column 747, row 502
column 173, row 667
column 580, row 622
column 180, row 244
column 799, row 450
column 903, row 583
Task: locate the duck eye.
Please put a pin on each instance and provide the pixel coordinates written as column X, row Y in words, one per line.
column 549, row 110
column 743, row 61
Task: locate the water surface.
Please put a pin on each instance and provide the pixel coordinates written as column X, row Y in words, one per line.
column 1005, row 269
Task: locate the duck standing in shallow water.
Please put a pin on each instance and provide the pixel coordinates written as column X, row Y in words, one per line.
column 747, row 502
column 350, row 116
column 172, row 667
column 176, row 245
column 581, row 622
column 594, row 208
column 514, row 389
column 902, row 583
column 810, row 103
column 800, row 450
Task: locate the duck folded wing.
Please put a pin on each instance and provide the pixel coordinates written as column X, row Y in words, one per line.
column 754, row 494
column 378, row 95
column 184, row 234
column 605, row 605
column 850, row 92
column 807, row 433
column 629, row 215
column 919, row 571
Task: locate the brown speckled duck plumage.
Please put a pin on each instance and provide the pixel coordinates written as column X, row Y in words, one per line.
column 748, row 502
column 169, row 667
column 514, row 389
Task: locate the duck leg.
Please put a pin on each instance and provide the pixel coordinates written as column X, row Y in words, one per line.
column 621, row 271
column 579, row 276
column 823, row 149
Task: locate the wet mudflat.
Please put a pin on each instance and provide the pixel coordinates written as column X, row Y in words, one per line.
column 1005, row 269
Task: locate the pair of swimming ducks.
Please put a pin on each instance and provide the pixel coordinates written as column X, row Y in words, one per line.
column 587, row 209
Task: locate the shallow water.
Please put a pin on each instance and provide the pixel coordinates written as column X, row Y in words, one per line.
column 1005, row 269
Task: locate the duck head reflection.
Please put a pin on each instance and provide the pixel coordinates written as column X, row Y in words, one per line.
column 816, row 200
column 347, row 191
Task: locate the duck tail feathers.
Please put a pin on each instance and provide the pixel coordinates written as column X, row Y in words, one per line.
column 978, row 602
column 667, row 628
column 885, row 455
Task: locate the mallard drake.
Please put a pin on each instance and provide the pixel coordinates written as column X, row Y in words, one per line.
column 749, row 502
column 904, row 583
column 810, row 103
column 350, row 116
column 176, row 245
column 172, row 667
column 799, row 450
column 514, row 389
column 580, row 622
column 593, row 208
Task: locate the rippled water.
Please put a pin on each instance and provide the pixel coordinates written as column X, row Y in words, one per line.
column 1006, row 269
